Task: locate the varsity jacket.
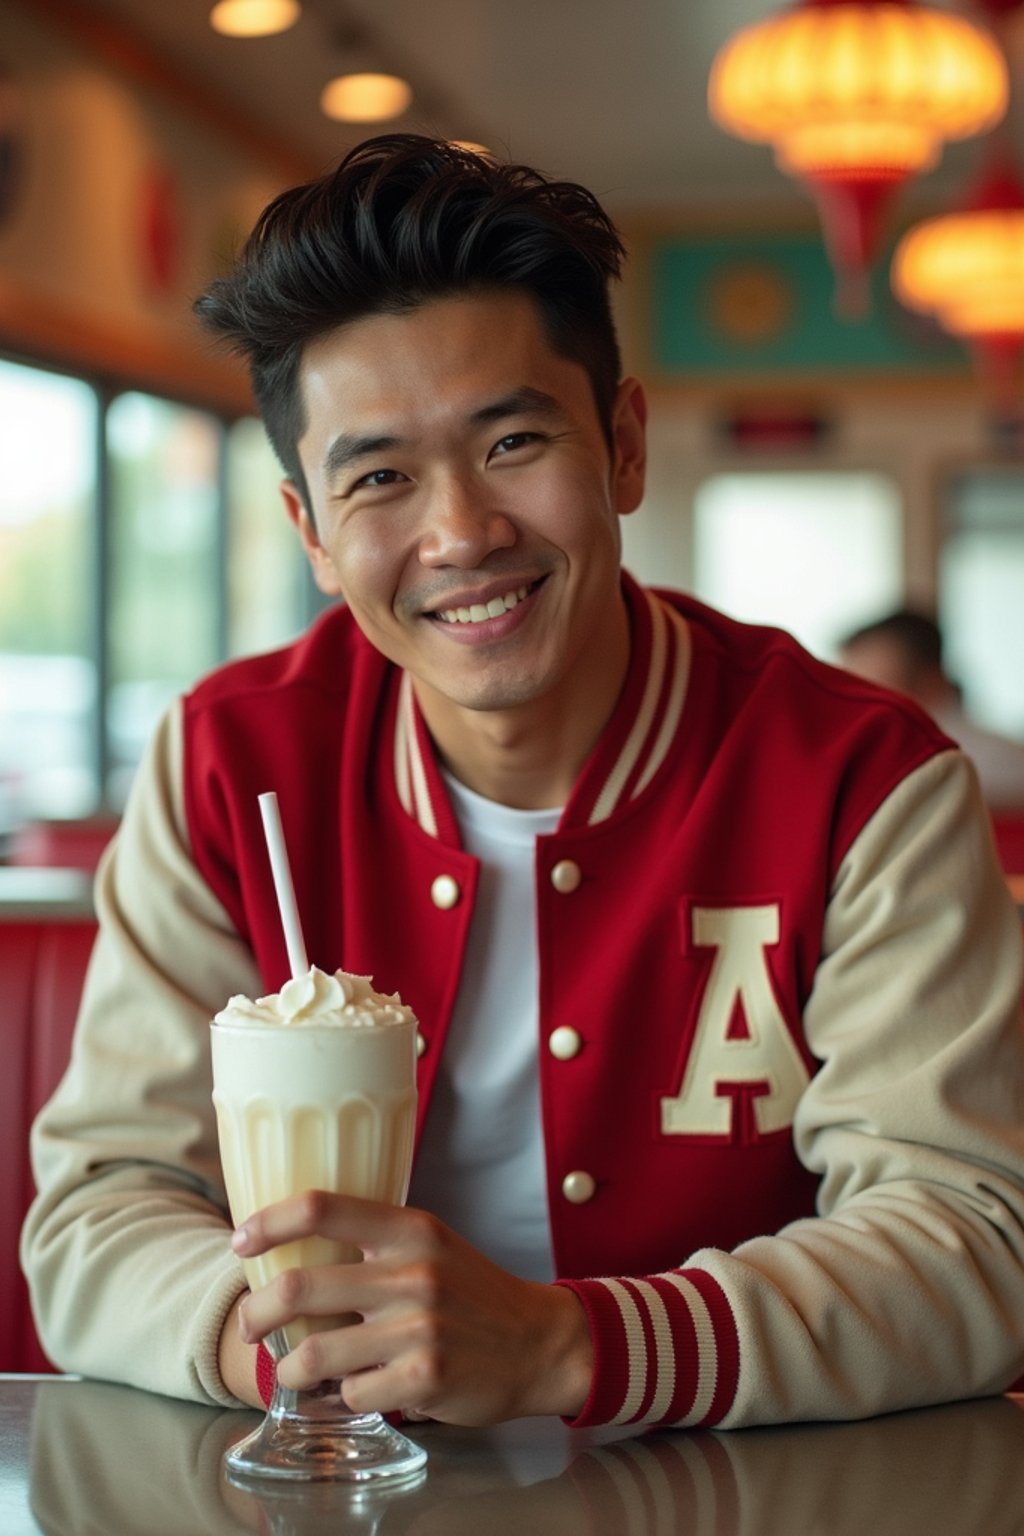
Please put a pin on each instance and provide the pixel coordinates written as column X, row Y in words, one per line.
column 780, row 1057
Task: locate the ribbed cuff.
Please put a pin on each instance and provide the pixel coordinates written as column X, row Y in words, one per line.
column 666, row 1350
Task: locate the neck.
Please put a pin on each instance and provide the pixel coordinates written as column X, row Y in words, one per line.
column 514, row 763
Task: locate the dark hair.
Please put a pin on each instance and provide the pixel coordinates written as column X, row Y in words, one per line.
column 915, row 633
column 402, row 220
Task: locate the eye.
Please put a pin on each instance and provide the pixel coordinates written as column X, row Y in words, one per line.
column 378, row 477
column 514, row 440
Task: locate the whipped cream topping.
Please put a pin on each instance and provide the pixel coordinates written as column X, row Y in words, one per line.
column 341, row 1001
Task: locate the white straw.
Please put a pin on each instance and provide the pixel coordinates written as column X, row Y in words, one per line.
column 281, row 871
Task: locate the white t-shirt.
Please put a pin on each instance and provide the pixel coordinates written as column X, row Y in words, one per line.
column 480, row 1165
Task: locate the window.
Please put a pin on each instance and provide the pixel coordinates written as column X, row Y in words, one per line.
column 142, row 541
column 981, row 594
column 811, row 552
column 165, row 567
column 268, row 587
column 49, row 764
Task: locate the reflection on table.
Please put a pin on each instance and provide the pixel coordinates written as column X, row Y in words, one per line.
column 95, row 1458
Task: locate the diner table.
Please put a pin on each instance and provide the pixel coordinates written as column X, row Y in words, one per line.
column 87, row 1458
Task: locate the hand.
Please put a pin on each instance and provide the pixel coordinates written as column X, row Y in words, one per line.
column 444, row 1333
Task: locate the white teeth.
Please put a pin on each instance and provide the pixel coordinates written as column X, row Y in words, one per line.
column 477, row 613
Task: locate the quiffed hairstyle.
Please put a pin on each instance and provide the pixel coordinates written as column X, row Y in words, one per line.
column 402, row 220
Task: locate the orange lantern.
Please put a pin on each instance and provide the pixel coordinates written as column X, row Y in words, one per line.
column 856, row 96
column 966, row 270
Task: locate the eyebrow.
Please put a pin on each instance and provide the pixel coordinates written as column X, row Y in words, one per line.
column 346, row 450
column 518, row 402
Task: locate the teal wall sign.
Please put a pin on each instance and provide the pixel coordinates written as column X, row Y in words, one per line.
column 764, row 303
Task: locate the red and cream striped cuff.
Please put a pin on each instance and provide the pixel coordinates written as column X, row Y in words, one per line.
column 666, row 1350
column 266, row 1374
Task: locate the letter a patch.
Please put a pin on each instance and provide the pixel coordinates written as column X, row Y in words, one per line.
column 742, row 1046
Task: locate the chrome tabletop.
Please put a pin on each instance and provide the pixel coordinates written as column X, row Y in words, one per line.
column 81, row 1458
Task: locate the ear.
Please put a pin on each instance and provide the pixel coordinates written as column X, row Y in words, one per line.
column 320, row 561
column 629, row 439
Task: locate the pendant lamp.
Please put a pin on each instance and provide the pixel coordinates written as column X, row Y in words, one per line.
column 856, row 96
column 254, row 18
column 965, row 269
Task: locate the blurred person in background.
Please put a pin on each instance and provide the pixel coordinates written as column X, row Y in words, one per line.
column 904, row 651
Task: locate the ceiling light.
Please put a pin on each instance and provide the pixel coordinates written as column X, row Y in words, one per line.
column 254, row 18
column 365, row 98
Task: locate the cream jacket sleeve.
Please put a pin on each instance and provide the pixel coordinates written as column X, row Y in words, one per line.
column 126, row 1247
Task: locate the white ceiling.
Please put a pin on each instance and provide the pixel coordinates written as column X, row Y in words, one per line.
column 608, row 92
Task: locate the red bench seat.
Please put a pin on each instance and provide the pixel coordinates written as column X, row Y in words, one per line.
column 42, row 966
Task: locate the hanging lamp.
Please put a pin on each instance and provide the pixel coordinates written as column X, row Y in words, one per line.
column 856, row 96
column 965, row 269
column 254, row 18
column 365, row 97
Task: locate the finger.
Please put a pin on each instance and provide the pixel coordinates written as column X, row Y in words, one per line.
column 358, row 1290
column 351, row 1353
column 371, row 1382
column 317, row 1292
column 380, row 1391
column 367, row 1224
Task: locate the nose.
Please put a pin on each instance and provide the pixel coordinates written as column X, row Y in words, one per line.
column 463, row 525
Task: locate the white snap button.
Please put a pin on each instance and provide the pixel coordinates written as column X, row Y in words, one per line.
column 445, row 892
column 566, row 876
column 564, row 1042
column 578, row 1187
column 421, row 1044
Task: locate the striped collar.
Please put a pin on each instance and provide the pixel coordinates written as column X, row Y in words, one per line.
column 633, row 745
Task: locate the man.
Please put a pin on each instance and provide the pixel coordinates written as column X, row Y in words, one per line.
column 700, row 932
column 904, row 650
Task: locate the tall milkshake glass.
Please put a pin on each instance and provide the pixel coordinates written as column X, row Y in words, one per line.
column 315, row 1088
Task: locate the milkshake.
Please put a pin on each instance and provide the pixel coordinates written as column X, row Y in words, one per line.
column 314, row 1088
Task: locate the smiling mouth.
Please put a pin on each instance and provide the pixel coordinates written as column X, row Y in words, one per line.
column 479, row 613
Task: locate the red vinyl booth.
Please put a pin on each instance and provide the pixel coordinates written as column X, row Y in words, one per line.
column 61, row 844
column 42, row 965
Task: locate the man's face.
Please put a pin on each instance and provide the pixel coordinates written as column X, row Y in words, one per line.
column 466, row 500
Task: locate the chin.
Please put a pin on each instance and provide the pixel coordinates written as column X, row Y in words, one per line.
column 499, row 694
column 498, row 699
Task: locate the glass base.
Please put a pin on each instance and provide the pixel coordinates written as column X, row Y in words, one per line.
column 312, row 1436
